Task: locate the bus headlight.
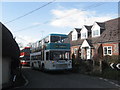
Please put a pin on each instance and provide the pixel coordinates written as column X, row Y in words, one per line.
column 52, row 61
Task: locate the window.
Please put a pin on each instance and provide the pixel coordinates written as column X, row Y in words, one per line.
column 107, row 50
column 37, row 57
column 95, row 33
column 59, row 55
column 47, row 39
column 47, row 55
column 74, row 37
column 84, row 35
column 75, row 51
column 57, row 39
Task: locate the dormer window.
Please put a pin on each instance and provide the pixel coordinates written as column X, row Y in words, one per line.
column 97, row 29
column 74, row 37
column 75, row 34
column 85, row 32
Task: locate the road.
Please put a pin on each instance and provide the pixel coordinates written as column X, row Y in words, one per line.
column 38, row 79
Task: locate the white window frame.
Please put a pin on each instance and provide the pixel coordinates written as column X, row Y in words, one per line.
column 107, row 50
column 74, row 35
column 83, row 37
column 95, row 32
column 74, row 50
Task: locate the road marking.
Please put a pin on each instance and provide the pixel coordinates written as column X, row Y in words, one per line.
column 117, row 85
column 105, row 79
column 24, row 84
column 100, row 78
column 110, row 82
column 14, row 78
column 25, row 80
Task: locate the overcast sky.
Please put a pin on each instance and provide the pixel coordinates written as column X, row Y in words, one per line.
column 57, row 17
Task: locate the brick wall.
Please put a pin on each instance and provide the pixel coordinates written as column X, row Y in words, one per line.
column 115, row 47
column 98, row 48
column 72, row 50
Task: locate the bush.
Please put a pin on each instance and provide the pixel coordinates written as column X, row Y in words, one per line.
column 112, row 59
column 85, row 66
column 75, row 65
column 107, row 71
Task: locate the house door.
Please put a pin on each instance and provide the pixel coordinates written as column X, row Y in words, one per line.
column 88, row 53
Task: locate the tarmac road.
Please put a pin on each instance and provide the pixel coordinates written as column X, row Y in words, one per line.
column 38, row 79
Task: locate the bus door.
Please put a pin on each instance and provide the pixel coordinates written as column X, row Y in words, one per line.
column 47, row 59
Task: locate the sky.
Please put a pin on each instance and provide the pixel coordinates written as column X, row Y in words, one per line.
column 56, row 17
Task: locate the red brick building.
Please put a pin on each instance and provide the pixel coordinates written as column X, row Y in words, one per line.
column 98, row 39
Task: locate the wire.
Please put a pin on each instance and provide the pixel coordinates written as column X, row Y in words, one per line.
column 21, row 38
column 26, row 28
column 91, row 6
column 29, row 12
column 88, row 7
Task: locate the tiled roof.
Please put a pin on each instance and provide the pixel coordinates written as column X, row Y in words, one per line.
column 101, row 24
column 88, row 28
column 78, row 29
column 76, row 42
column 110, row 34
column 112, row 31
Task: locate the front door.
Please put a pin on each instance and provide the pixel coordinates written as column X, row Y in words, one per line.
column 88, row 53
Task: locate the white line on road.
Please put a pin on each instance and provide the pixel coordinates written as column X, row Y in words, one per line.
column 110, row 82
column 100, row 78
column 25, row 80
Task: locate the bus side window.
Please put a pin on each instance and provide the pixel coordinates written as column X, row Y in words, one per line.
column 47, row 55
column 32, row 57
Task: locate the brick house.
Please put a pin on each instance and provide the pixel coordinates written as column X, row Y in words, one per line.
column 102, row 38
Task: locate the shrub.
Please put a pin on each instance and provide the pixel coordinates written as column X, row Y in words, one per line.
column 85, row 66
column 112, row 59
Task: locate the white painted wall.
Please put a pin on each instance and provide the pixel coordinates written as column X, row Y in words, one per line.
column 84, row 30
column 85, row 44
column 74, row 35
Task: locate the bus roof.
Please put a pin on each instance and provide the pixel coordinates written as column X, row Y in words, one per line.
column 58, row 35
column 53, row 34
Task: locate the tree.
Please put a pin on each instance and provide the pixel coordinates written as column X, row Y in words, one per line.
column 29, row 44
column 20, row 45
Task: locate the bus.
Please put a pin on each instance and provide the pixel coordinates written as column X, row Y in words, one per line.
column 51, row 53
column 25, row 56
